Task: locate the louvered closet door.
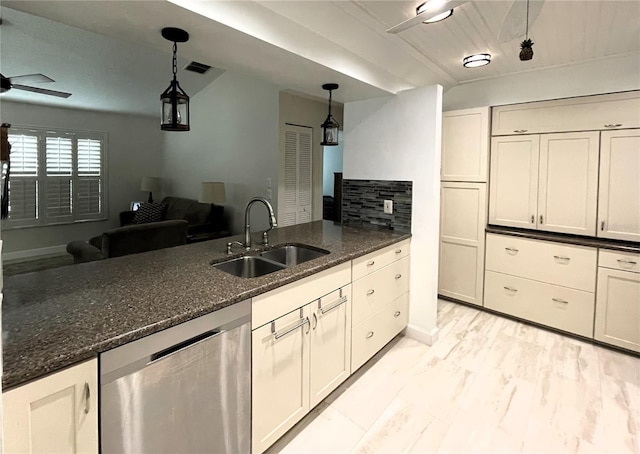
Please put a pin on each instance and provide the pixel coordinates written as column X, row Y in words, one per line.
column 296, row 198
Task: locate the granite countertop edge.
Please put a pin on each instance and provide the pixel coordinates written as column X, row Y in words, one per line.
column 23, row 368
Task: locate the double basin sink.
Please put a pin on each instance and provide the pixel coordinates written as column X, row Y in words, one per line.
column 270, row 261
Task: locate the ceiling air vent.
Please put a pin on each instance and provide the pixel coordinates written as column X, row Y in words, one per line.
column 196, row 67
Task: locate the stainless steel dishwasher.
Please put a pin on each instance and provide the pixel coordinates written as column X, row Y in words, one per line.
column 186, row 389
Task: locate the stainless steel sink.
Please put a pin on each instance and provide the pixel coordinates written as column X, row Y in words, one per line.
column 250, row 266
column 294, row 254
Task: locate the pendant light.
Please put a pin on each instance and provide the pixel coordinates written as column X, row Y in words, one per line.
column 526, row 46
column 330, row 125
column 175, row 102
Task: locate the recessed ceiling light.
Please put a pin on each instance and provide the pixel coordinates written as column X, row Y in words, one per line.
column 476, row 60
column 437, row 18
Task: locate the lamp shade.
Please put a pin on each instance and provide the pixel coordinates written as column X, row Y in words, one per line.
column 212, row 192
column 150, row 184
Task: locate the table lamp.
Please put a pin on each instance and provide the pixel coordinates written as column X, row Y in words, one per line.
column 150, row 185
column 212, row 192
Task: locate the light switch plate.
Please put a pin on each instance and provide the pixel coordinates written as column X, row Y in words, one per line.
column 388, row 206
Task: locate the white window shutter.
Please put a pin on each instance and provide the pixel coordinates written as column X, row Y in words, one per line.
column 24, row 155
column 23, row 182
column 89, row 192
column 58, row 188
column 23, row 205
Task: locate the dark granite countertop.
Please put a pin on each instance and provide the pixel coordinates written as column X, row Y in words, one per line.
column 605, row 243
column 55, row 318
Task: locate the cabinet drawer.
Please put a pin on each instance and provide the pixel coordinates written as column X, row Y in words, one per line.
column 558, row 307
column 375, row 332
column 624, row 261
column 374, row 291
column 373, row 261
column 545, row 261
column 587, row 113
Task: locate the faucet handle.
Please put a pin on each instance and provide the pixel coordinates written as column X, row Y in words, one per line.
column 265, row 238
column 230, row 245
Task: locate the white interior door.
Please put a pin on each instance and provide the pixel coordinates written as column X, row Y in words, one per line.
column 295, row 204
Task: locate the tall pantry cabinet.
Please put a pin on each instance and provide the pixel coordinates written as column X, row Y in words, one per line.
column 463, row 203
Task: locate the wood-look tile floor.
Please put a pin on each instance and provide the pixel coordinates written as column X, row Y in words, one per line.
column 490, row 384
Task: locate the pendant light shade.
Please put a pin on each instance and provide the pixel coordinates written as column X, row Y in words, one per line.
column 330, row 125
column 175, row 102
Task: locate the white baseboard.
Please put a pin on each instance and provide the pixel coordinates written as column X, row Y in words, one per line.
column 419, row 334
column 33, row 253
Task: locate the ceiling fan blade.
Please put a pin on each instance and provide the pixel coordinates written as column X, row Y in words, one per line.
column 43, row 91
column 439, row 6
column 31, row 79
column 515, row 22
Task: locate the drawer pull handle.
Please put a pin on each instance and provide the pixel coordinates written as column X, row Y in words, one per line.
column 613, row 125
column 561, row 257
column 371, row 263
column 512, row 250
column 278, row 335
column 398, row 251
column 533, row 219
column 341, row 301
column 371, row 292
column 369, row 334
column 87, row 398
column 398, row 276
column 397, row 314
column 520, row 131
column 560, row 301
column 541, row 220
column 511, row 289
column 630, row 262
column 602, row 224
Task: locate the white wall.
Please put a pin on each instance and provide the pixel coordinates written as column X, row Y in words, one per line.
column 233, row 139
column 135, row 149
column 307, row 112
column 589, row 78
column 398, row 138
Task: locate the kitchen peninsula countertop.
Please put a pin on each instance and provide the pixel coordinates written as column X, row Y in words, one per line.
column 55, row 318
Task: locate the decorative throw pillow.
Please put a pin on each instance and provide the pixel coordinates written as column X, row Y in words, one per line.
column 150, row 212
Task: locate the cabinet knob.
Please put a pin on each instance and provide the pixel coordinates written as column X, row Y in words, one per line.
column 369, row 334
column 520, row 131
column 533, row 219
column 613, row 125
column 87, row 398
column 397, row 314
column 371, row 263
column 602, row 225
column 371, row 292
column 398, row 251
column 398, row 276
column 541, row 220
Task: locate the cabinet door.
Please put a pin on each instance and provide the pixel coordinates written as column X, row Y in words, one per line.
column 465, row 145
column 513, row 189
column 619, row 196
column 330, row 343
column 568, row 183
column 57, row 413
column 618, row 308
column 463, row 217
column 280, row 377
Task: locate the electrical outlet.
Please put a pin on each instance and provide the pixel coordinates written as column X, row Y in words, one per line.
column 388, row 206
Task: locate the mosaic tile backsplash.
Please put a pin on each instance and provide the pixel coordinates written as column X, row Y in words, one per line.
column 363, row 203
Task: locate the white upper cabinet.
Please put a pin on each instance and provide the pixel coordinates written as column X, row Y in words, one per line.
column 465, row 145
column 619, row 196
column 568, row 183
column 513, row 189
column 588, row 113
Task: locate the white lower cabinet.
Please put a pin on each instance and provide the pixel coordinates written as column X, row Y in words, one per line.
column 618, row 300
column 57, row 413
column 297, row 360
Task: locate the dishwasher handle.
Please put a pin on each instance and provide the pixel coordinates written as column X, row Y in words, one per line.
column 183, row 345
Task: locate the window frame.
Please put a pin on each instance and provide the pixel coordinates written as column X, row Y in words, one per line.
column 43, row 220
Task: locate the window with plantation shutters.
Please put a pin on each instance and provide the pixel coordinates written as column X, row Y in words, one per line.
column 56, row 177
column 295, row 204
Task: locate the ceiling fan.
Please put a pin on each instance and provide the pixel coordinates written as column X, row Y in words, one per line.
column 7, row 83
column 511, row 28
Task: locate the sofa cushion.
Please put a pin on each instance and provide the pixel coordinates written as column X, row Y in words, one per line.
column 134, row 239
column 150, row 212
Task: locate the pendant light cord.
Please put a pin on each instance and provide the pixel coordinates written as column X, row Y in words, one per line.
column 330, row 102
column 175, row 60
column 527, row 24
